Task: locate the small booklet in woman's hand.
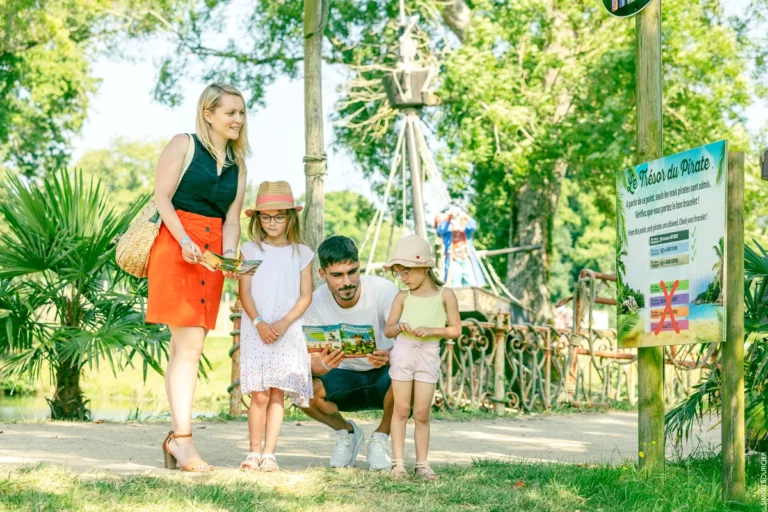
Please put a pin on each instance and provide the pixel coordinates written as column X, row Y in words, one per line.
column 213, row 262
column 353, row 340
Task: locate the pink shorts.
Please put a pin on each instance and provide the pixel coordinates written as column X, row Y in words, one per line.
column 414, row 360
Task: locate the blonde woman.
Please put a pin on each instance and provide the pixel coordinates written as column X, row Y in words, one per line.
column 202, row 214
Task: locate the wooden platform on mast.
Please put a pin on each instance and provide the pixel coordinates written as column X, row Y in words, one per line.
column 474, row 300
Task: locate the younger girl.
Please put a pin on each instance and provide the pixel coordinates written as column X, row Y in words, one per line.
column 417, row 322
column 273, row 355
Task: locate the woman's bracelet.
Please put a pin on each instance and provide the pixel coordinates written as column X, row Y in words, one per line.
column 325, row 365
column 184, row 240
column 228, row 251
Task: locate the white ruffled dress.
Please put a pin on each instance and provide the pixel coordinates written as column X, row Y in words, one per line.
column 275, row 288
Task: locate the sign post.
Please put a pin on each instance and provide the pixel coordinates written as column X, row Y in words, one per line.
column 680, row 258
column 732, row 433
column 650, row 360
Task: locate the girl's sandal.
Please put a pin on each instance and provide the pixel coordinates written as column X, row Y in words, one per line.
column 398, row 469
column 423, row 470
column 252, row 462
column 269, row 463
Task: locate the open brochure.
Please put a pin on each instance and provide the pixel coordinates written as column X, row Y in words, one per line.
column 353, row 340
column 213, row 261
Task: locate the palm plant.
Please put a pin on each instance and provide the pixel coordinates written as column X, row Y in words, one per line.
column 706, row 397
column 64, row 303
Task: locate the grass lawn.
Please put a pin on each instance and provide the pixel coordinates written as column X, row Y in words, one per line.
column 486, row 485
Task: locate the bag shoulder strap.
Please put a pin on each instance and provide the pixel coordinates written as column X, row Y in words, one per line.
column 187, row 159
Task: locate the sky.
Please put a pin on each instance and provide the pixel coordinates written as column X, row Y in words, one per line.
column 123, row 107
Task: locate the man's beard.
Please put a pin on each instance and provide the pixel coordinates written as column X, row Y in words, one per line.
column 347, row 292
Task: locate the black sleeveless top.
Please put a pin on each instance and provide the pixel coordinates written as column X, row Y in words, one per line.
column 202, row 191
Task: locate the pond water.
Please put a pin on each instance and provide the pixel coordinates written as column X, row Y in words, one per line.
column 115, row 397
column 114, row 409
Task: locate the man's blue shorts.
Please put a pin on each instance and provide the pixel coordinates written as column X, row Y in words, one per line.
column 353, row 390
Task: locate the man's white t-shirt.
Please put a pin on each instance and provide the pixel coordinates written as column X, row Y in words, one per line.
column 376, row 297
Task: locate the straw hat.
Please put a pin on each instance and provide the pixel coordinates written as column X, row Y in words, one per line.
column 274, row 195
column 411, row 251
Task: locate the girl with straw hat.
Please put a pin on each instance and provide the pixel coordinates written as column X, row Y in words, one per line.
column 418, row 322
column 273, row 354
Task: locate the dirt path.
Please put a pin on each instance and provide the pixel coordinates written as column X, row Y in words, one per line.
column 135, row 447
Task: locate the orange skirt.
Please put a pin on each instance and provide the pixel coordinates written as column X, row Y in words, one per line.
column 180, row 293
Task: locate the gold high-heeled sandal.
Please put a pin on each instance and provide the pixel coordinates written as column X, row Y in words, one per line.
column 199, row 466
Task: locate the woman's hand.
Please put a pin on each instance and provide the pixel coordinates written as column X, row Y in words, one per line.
column 266, row 332
column 231, row 275
column 404, row 327
column 423, row 332
column 191, row 252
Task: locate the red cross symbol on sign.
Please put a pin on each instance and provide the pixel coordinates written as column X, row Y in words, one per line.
column 668, row 308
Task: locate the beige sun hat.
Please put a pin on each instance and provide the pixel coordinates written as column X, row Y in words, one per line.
column 411, row 251
column 274, row 195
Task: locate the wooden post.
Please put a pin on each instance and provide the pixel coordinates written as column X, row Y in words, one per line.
column 733, row 348
column 548, row 370
column 499, row 366
column 650, row 361
column 414, row 162
column 449, row 347
column 235, row 395
column 314, row 158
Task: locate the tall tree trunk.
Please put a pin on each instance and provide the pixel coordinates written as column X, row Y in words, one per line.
column 314, row 158
column 458, row 16
column 67, row 402
column 533, row 209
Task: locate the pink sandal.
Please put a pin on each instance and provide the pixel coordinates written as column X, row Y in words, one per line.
column 398, row 469
column 423, row 470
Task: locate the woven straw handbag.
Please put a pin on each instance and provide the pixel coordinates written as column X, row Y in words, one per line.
column 133, row 248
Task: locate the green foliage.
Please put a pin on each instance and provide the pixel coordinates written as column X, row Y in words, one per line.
column 584, row 236
column 706, row 397
column 46, row 78
column 350, row 214
column 65, row 301
column 126, row 169
column 17, row 387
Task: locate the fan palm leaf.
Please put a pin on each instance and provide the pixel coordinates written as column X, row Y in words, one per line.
column 64, row 300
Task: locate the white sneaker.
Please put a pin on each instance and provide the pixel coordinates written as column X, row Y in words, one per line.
column 378, row 452
column 347, row 446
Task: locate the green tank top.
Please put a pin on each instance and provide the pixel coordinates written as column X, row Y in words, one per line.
column 424, row 312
